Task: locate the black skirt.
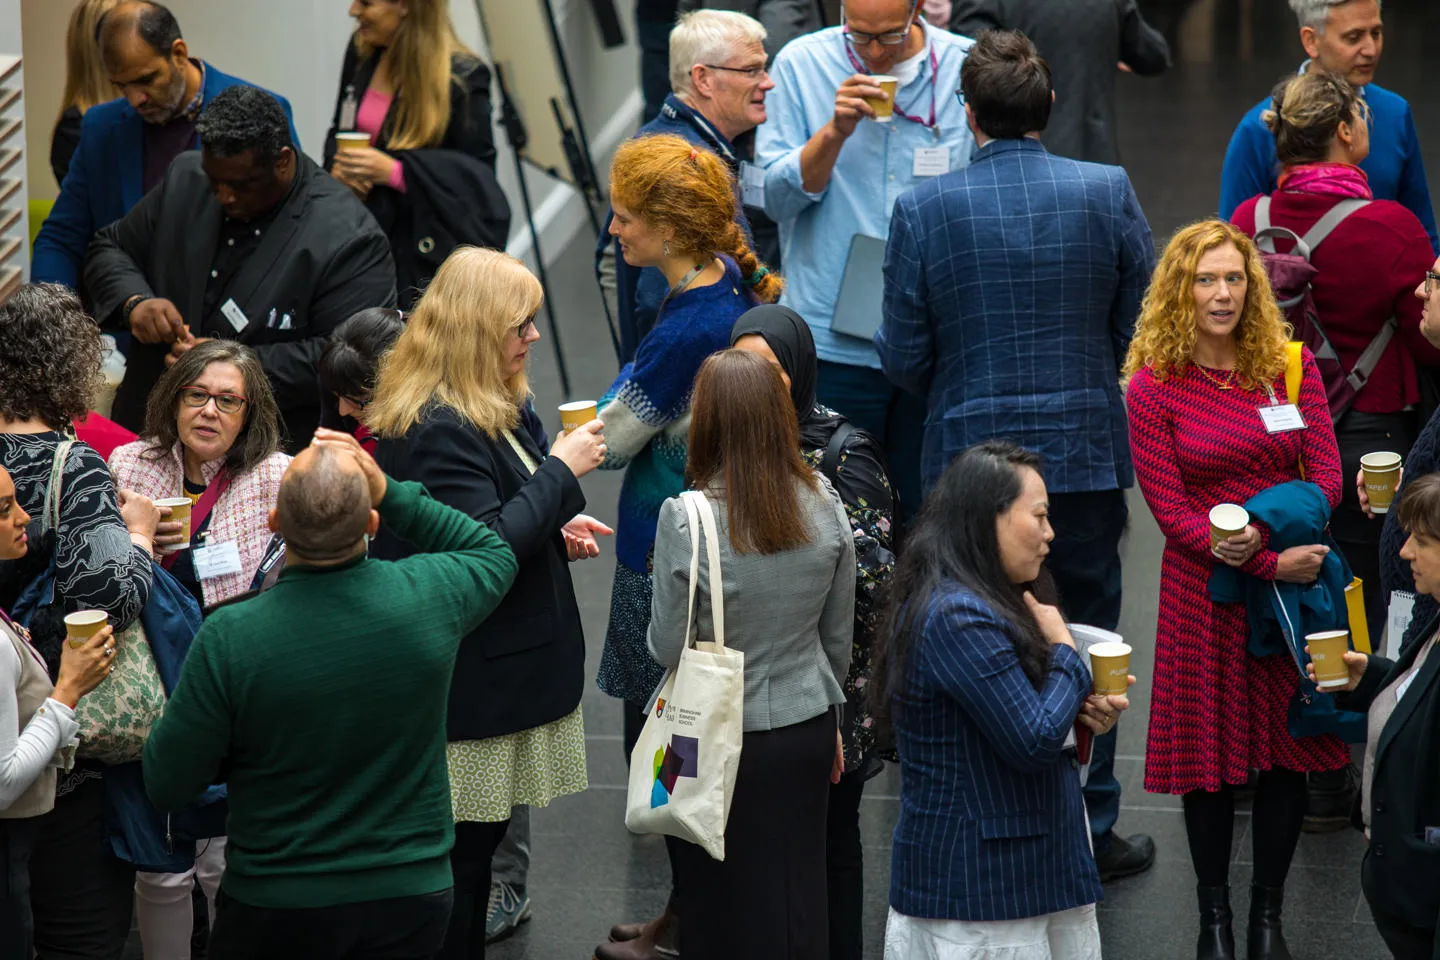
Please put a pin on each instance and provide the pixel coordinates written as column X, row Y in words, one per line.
column 767, row 899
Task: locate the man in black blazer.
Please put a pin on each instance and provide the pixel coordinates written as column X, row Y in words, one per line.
column 247, row 240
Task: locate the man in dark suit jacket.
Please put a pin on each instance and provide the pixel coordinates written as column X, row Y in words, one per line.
column 127, row 144
column 1087, row 43
column 1011, row 292
column 247, row 240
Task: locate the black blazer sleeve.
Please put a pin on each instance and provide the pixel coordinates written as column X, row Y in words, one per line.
column 470, row 131
column 64, row 141
column 464, row 468
column 1142, row 47
column 1378, row 672
column 113, row 271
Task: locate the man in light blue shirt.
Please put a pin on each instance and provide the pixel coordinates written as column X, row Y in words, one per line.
column 832, row 171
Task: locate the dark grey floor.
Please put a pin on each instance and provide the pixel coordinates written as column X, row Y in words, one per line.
column 589, row 872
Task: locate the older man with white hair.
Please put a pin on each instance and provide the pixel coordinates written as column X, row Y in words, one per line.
column 718, row 81
column 1346, row 38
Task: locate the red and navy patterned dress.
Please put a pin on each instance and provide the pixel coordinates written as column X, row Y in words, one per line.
column 1216, row 710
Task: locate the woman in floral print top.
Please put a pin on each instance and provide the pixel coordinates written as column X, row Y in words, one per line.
column 857, row 469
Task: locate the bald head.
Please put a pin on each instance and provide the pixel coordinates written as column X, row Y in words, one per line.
column 324, row 506
column 150, row 23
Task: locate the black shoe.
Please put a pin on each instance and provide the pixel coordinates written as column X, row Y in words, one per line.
column 1217, row 937
column 1264, row 940
column 1330, row 797
column 1124, row 856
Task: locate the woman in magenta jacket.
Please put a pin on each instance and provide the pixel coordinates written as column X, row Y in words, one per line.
column 1368, row 267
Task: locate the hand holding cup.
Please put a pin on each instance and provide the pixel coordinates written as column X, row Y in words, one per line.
column 1355, row 664
column 1100, row 712
column 83, row 667
column 582, row 449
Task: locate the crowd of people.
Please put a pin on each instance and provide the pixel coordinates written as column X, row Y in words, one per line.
column 909, row 349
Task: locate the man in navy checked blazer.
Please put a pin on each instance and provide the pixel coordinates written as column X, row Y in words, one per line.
column 1011, row 291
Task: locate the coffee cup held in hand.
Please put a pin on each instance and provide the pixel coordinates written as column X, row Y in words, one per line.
column 351, row 140
column 180, row 508
column 884, row 106
column 1110, row 667
column 1227, row 520
column 1382, row 475
column 577, row 413
column 81, row 625
column 1327, row 654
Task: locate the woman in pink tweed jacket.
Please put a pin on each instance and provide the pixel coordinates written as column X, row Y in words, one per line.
column 211, row 411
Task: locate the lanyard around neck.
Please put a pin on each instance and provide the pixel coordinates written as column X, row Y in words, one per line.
column 934, row 82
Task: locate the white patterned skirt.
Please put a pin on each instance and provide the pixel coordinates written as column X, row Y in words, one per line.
column 529, row 767
column 1067, row 935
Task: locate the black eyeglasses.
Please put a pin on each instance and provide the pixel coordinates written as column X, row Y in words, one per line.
column 893, row 39
column 1432, row 282
column 749, row 73
column 524, row 328
column 224, row 402
column 357, row 404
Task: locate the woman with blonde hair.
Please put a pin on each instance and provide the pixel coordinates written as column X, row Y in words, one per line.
column 86, row 84
column 447, row 412
column 674, row 208
column 1207, row 399
column 427, row 172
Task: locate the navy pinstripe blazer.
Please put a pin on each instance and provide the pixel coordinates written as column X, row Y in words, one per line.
column 992, row 824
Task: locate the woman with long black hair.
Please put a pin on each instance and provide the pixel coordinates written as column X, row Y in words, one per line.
column 982, row 680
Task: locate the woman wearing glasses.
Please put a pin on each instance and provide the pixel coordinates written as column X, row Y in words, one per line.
column 348, row 367
column 212, row 434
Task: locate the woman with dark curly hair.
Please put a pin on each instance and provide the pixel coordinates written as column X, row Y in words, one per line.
column 49, row 369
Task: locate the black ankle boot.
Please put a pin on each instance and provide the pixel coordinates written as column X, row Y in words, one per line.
column 1217, row 939
column 1265, row 941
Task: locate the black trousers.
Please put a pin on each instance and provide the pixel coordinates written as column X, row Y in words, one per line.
column 1358, row 536
column 475, row 846
column 82, row 895
column 17, row 930
column 1405, row 942
column 767, row 899
column 405, row 928
column 845, row 867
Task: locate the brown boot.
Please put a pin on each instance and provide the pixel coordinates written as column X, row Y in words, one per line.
column 657, row 940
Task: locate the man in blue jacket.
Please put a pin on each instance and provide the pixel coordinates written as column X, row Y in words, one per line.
column 1011, row 291
column 126, row 145
column 1346, row 38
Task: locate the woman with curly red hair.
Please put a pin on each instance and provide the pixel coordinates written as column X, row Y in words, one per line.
column 1209, row 352
column 674, row 209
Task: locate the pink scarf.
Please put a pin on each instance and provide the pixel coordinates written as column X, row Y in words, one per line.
column 1327, row 179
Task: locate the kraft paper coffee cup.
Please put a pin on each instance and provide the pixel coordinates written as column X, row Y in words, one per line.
column 1382, row 475
column 351, row 140
column 1110, row 667
column 179, row 510
column 884, row 107
column 1226, row 520
column 81, row 625
column 577, row 413
column 1327, row 653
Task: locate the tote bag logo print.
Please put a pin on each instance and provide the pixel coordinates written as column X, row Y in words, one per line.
column 680, row 758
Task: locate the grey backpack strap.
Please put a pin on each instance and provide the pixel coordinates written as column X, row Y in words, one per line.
column 1365, row 366
column 1266, row 234
column 1333, row 218
column 57, row 478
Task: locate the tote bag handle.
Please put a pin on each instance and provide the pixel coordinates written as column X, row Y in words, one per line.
column 702, row 519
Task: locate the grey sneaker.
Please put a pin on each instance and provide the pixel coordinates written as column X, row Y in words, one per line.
column 508, row 909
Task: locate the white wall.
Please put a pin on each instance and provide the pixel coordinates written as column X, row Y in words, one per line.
column 10, row 46
column 295, row 48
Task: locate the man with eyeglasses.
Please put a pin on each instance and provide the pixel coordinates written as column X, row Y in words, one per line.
column 1345, row 37
column 832, row 175
column 246, row 240
column 719, row 83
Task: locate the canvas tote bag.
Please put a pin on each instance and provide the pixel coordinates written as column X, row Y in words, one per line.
column 682, row 771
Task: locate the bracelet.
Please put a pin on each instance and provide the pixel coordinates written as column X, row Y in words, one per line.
column 130, row 306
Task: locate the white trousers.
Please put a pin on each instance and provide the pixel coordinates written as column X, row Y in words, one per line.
column 162, row 902
column 1067, row 935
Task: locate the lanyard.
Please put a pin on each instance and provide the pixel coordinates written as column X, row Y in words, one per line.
column 934, row 80
column 717, row 141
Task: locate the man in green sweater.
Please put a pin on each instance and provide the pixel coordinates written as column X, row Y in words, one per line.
column 322, row 703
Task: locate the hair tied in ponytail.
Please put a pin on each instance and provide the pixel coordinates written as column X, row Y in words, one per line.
column 755, row 278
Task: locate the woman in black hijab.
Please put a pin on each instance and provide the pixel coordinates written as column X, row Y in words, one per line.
column 854, row 463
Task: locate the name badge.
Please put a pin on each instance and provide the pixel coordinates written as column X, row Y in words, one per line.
column 1282, row 418
column 216, row 560
column 752, row 185
column 235, row 315
column 931, row 161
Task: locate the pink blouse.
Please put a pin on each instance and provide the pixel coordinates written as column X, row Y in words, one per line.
column 369, row 119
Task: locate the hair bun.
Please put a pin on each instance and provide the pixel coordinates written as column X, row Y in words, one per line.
column 1272, row 120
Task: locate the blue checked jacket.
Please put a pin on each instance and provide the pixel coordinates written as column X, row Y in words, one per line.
column 1011, row 292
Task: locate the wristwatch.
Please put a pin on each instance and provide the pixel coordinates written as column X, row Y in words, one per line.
column 130, row 306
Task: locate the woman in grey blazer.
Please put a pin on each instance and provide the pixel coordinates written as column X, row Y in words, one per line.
column 788, row 565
